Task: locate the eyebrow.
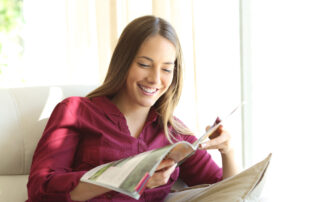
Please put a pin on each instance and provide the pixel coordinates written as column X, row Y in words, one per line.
column 147, row 58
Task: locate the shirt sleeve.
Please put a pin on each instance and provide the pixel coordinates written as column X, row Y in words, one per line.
column 199, row 168
column 51, row 176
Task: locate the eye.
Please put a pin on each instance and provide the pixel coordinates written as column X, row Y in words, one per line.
column 143, row 65
column 167, row 70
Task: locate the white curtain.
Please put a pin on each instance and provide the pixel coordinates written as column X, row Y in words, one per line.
column 61, row 44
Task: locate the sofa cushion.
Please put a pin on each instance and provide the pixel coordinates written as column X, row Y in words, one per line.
column 13, row 188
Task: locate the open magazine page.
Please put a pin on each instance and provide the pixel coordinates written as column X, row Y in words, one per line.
column 180, row 151
column 129, row 176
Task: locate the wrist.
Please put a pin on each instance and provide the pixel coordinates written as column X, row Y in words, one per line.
column 226, row 152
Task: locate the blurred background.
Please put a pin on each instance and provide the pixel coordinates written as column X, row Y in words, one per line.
column 263, row 53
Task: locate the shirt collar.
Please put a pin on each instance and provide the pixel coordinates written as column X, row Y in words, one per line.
column 153, row 115
column 112, row 111
column 106, row 105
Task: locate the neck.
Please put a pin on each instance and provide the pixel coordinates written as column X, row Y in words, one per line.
column 136, row 116
column 129, row 110
column 139, row 114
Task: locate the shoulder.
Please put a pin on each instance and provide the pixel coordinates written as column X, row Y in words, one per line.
column 74, row 103
column 77, row 106
column 91, row 107
column 77, row 109
column 74, row 100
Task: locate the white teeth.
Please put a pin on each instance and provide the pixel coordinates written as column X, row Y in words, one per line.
column 148, row 90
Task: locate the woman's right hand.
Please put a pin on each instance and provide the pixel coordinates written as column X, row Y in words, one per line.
column 162, row 173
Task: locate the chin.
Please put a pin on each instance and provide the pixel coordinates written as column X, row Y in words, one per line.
column 147, row 103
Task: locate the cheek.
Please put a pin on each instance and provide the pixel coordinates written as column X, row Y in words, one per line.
column 168, row 80
column 133, row 76
column 169, row 83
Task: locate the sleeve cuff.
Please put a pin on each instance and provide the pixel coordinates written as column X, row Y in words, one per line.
column 64, row 182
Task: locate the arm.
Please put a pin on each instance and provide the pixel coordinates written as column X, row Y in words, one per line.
column 162, row 174
column 221, row 140
column 52, row 176
column 85, row 191
column 228, row 164
column 199, row 168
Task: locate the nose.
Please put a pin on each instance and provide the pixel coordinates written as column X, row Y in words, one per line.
column 154, row 76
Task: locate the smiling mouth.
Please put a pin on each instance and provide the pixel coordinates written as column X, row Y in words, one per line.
column 149, row 91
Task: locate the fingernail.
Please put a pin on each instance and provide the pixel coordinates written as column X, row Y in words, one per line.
column 218, row 120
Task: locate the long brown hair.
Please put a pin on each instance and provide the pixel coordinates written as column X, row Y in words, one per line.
column 128, row 45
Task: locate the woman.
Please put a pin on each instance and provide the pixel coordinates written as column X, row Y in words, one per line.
column 131, row 112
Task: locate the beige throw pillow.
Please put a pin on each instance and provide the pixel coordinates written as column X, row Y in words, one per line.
column 245, row 186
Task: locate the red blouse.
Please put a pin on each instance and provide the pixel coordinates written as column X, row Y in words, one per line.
column 83, row 133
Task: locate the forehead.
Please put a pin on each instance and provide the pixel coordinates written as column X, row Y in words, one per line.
column 158, row 48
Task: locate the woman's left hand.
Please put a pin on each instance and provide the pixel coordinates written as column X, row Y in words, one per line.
column 220, row 139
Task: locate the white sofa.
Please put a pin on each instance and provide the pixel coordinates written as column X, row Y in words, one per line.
column 23, row 116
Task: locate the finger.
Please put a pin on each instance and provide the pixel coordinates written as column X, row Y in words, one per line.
column 161, row 177
column 164, row 169
column 157, row 179
column 165, row 163
column 208, row 145
column 215, row 142
column 217, row 132
column 223, row 137
column 171, row 169
column 207, row 128
column 154, row 181
column 167, row 173
column 217, row 121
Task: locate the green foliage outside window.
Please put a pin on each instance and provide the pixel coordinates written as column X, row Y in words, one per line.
column 11, row 41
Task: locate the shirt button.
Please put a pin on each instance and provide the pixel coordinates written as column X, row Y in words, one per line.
column 109, row 195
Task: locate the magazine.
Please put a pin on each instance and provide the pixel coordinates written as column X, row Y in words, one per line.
column 130, row 175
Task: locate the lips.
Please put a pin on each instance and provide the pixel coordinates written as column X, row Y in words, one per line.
column 148, row 90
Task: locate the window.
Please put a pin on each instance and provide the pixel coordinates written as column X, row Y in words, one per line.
column 284, row 55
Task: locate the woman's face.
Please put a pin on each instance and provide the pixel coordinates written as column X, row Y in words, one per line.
column 151, row 72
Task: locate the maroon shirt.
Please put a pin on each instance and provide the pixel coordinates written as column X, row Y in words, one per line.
column 83, row 133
